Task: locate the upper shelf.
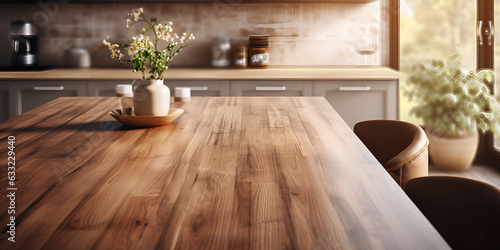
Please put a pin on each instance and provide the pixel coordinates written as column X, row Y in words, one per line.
column 232, row 2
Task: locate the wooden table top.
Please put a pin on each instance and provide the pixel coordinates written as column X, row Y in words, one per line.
column 230, row 173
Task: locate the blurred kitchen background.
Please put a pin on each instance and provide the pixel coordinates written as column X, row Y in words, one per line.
column 300, row 33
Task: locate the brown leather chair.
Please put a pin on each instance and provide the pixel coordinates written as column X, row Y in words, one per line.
column 401, row 147
column 465, row 212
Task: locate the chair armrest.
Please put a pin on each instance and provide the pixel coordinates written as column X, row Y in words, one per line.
column 411, row 153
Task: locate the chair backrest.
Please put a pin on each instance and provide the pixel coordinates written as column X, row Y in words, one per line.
column 466, row 212
column 396, row 144
column 387, row 138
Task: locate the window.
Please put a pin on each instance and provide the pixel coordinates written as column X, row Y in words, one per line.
column 432, row 29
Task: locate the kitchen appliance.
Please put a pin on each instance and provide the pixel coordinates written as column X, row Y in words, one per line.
column 24, row 38
column 77, row 57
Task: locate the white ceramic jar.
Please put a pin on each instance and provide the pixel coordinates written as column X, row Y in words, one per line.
column 151, row 97
column 221, row 52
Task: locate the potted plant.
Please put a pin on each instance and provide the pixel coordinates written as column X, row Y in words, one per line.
column 454, row 105
column 151, row 57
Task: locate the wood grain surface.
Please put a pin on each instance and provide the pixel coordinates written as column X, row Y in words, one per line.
column 230, row 173
column 271, row 73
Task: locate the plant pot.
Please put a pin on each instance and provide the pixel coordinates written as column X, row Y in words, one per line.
column 452, row 153
column 151, row 97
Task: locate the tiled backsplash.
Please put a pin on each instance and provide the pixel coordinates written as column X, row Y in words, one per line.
column 301, row 34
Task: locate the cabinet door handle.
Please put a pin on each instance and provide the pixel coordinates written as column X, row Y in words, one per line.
column 48, row 88
column 355, row 88
column 270, row 88
column 198, row 88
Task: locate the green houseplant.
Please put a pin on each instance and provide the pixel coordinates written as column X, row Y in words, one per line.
column 454, row 105
column 151, row 57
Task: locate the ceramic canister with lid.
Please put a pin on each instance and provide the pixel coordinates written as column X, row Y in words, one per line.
column 221, row 52
column 258, row 51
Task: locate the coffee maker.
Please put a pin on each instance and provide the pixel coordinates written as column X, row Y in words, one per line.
column 24, row 38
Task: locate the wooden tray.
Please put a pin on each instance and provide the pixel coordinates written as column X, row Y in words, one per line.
column 146, row 120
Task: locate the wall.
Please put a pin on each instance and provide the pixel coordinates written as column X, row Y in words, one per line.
column 301, row 34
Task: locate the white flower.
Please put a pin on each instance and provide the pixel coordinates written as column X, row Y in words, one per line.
column 136, row 13
column 138, row 45
column 186, row 36
column 105, row 42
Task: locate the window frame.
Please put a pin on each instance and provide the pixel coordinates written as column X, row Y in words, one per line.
column 487, row 154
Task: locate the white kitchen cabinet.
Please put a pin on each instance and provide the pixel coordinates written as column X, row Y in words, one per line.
column 201, row 87
column 357, row 101
column 354, row 100
column 271, row 88
column 31, row 94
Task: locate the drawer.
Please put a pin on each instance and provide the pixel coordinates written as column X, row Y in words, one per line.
column 201, row 87
column 104, row 87
column 33, row 94
column 357, row 101
column 271, row 88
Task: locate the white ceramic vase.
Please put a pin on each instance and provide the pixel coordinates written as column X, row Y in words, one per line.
column 151, row 97
column 452, row 153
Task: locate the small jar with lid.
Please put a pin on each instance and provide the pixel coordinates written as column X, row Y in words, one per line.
column 240, row 56
column 124, row 90
column 258, row 51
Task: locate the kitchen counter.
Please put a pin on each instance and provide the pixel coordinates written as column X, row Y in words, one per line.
column 271, row 73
